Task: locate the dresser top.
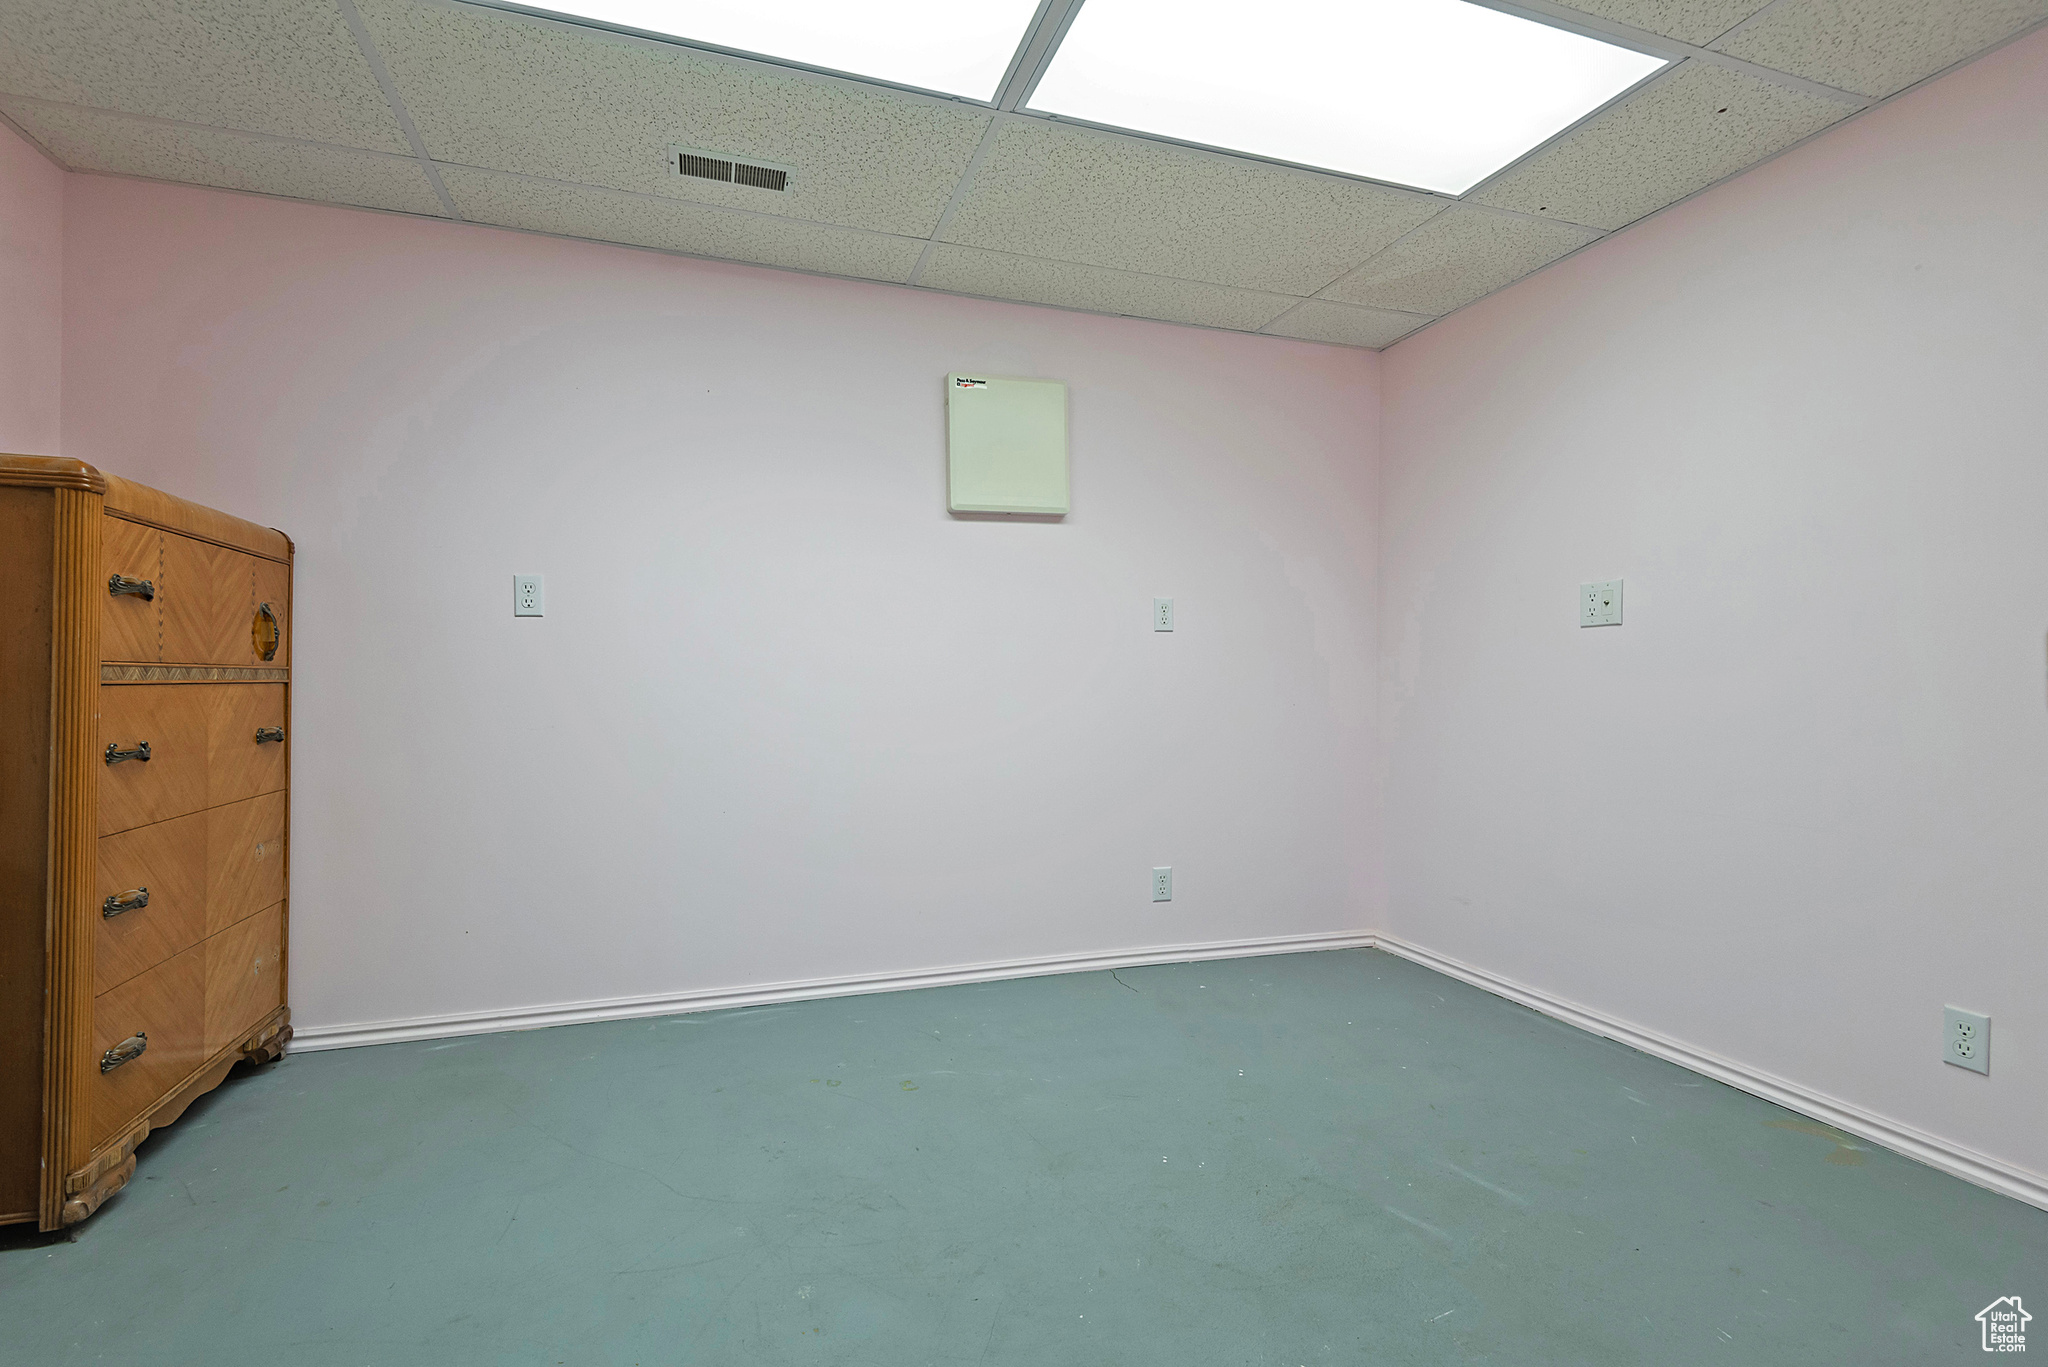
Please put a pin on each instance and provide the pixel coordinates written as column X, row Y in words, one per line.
column 140, row 503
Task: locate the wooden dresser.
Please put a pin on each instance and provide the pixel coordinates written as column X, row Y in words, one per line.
column 145, row 701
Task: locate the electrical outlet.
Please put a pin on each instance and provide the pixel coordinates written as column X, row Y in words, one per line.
column 1600, row 604
column 527, row 596
column 1967, row 1039
column 1162, row 885
column 1162, row 614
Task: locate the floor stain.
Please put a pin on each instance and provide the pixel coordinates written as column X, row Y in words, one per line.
column 1846, row 1154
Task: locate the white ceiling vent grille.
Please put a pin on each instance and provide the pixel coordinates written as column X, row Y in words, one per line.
column 723, row 166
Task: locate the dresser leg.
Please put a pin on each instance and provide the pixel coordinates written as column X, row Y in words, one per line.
column 88, row 1200
column 267, row 1044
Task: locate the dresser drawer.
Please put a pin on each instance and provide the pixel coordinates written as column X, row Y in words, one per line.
column 131, row 624
column 191, row 876
column 244, row 977
column 209, row 744
column 242, row 758
column 166, row 1006
column 172, row 720
column 213, row 600
column 244, row 859
column 164, row 867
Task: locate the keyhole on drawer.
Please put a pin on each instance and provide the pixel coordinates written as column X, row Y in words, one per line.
column 259, row 851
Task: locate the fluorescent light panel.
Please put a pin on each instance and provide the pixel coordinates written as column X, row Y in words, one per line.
column 957, row 47
column 1437, row 94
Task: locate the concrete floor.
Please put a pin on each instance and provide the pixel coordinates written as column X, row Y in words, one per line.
column 1315, row 1159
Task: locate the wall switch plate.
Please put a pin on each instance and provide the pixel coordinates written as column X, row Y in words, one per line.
column 1966, row 1039
column 1162, row 885
column 527, row 595
column 1600, row 604
column 1162, row 614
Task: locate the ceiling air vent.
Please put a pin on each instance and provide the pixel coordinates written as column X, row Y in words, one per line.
column 723, row 166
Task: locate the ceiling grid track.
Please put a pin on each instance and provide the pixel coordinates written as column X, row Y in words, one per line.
column 1128, row 275
column 1323, row 294
column 1350, row 271
column 1753, row 19
column 1266, row 328
column 361, row 33
column 1501, row 211
column 161, row 122
column 959, row 197
column 733, row 209
column 1772, row 76
column 1048, row 30
column 1034, row 52
column 1422, row 320
column 33, row 141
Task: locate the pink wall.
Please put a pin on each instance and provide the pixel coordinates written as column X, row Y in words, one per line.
column 785, row 717
column 1799, row 801
column 31, row 307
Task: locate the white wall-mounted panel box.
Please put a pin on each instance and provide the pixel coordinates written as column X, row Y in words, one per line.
column 1006, row 445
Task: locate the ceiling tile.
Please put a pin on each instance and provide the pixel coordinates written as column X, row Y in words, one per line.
column 287, row 67
column 1682, row 133
column 1319, row 320
column 998, row 275
column 93, row 140
column 1877, row 47
column 1690, row 21
column 1456, row 257
column 1077, row 194
column 676, row 225
column 514, row 94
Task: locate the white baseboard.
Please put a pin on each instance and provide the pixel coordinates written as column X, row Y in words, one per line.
column 2005, row 1178
column 308, row 1038
column 1954, row 1159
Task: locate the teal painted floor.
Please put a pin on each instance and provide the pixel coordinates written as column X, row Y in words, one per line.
column 1313, row 1159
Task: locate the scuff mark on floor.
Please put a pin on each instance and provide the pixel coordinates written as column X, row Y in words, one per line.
column 1422, row 1225
column 1479, row 1181
column 1846, row 1153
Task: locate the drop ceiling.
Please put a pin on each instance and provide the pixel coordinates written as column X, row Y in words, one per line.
column 473, row 112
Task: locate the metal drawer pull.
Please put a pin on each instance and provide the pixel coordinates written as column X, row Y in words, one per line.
column 115, row 754
column 264, row 733
column 145, row 589
column 127, row 1049
column 135, row 899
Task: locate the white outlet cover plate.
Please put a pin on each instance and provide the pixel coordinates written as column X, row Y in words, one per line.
column 529, row 595
column 1162, row 885
column 1600, row 604
column 1162, row 614
column 1966, row 1039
